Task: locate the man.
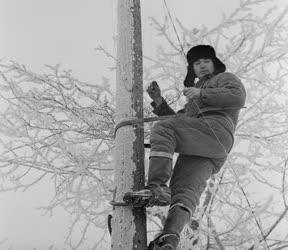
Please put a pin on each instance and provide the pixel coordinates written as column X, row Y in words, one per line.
column 202, row 134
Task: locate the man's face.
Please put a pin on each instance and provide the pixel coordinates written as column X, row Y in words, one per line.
column 203, row 67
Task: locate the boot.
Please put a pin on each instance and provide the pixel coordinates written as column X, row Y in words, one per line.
column 160, row 171
column 177, row 218
column 165, row 242
column 156, row 193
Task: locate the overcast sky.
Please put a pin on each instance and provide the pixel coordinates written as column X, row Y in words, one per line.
column 38, row 32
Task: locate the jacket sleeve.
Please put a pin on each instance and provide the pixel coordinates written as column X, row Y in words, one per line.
column 162, row 109
column 228, row 92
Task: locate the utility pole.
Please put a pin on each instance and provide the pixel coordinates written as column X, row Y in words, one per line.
column 129, row 224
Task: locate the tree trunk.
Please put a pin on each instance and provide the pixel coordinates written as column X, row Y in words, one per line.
column 129, row 224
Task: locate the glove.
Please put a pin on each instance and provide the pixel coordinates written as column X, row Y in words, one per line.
column 154, row 91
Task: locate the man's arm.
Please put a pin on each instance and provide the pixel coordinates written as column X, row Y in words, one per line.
column 229, row 92
column 161, row 107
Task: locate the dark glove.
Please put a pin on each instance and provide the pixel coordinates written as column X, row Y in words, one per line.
column 154, row 91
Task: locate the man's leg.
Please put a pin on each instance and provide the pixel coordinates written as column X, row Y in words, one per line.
column 156, row 193
column 177, row 218
column 185, row 135
column 189, row 179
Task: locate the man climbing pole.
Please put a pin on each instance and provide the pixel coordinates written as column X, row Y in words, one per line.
column 202, row 134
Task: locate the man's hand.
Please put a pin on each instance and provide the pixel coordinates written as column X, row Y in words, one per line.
column 191, row 92
column 154, row 92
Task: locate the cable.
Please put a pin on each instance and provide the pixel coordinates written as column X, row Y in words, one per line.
column 175, row 30
column 257, row 222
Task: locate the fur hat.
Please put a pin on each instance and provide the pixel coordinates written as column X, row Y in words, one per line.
column 201, row 52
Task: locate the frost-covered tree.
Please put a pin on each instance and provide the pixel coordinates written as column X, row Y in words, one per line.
column 57, row 127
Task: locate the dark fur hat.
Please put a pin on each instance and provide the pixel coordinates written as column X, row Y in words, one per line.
column 200, row 52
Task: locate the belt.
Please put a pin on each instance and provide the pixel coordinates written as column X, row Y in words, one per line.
column 213, row 112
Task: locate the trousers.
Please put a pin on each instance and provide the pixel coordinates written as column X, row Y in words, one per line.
column 202, row 149
column 189, row 179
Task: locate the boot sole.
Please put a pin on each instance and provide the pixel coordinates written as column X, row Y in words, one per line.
column 137, row 199
column 141, row 200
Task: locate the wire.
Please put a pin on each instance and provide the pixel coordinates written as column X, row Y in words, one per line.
column 247, row 200
column 175, row 30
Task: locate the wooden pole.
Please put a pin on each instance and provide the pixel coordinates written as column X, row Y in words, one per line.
column 129, row 224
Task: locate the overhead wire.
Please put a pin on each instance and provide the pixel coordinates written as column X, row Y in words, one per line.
column 175, row 30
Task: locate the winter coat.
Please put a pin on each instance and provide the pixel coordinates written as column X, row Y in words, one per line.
column 206, row 129
column 202, row 135
column 223, row 94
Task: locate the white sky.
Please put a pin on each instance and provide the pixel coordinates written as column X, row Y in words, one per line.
column 38, row 32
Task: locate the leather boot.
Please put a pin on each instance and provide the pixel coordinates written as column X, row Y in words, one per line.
column 165, row 242
column 157, row 193
column 160, row 171
column 178, row 217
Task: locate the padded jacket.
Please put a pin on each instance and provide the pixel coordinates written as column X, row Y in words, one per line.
column 223, row 93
